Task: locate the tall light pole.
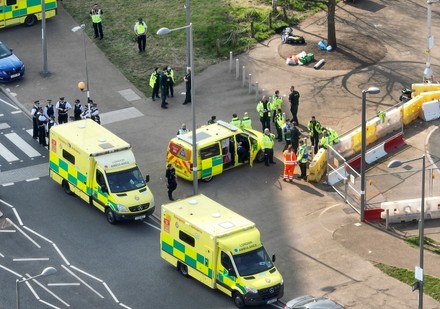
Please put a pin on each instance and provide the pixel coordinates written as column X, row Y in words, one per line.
column 45, row 71
column 81, row 85
column 419, row 270
column 46, row 272
column 427, row 72
column 371, row 90
column 188, row 22
column 163, row 31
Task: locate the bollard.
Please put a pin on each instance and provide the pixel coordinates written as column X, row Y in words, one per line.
column 250, row 83
column 256, row 90
column 237, row 72
column 244, row 76
column 387, row 219
column 230, row 62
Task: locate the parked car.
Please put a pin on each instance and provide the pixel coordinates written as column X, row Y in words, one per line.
column 11, row 67
column 310, row 302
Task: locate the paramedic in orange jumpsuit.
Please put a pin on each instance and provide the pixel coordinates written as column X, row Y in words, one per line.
column 289, row 163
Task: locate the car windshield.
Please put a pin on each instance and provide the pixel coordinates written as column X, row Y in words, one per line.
column 253, row 262
column 4, row 51
column 126, row 180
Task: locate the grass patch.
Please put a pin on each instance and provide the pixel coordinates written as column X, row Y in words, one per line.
column 431, row 285
column 218, row 28
column 430, row 244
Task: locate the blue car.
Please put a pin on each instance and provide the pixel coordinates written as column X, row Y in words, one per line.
column 11, row 67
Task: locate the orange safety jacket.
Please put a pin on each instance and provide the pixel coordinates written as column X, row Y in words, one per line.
column 289, row 157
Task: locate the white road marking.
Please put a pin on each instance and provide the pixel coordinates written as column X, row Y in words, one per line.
column 110, row 292
column 25, row 235
column 48, row 304
column 21, row 143
column 82, row 281
column 119, row 115
column 32, row 179
column 61, row 254
column 31, row 288
column 2, row 255
column 11, row 271
column 30, row 259
column 64, row 284
column 6, row 154
column 122, row 305
column 39, row 235
column 129, row 95
column 85, row 273
column 16, row 112
column 157, row 228
column 17, row 216
column 51, row 293
column 6, row 203
column 4, row 125
column 8, row 184
column 8, row 231
column 9, row 104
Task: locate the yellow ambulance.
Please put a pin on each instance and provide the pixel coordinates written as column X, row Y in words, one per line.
column 220, row 146
column 99, row 167
column 219, row 248
column 26, row 12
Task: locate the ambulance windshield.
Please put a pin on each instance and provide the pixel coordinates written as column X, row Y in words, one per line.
column 126, row 180
column 253, row 262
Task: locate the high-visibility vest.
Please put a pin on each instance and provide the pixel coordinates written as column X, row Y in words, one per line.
column 261, row 110
column 325, row 141
column 289, row 157
column 312, row 127
column 277, row 103
column 267, row 141
column 303, row 154
column 280, row 119
column 334, row 137
column 246, row 123
column 171, row 74
column 141, row 28
column 235, row 122
column 96, row 16
column 153, row 79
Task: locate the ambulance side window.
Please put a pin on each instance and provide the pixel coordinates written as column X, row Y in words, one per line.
column 100, row 179
column 69, row 157
column 227, row 264
column 187, row 238
column 210, row 151
column 11, row 2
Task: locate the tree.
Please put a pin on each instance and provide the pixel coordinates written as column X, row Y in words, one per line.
column 331, row 27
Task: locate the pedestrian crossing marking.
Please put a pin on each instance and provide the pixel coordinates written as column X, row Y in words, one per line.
column 16, row 112
column 22, row 145
column 6, row 154
column 120, row 114
column 4, row 125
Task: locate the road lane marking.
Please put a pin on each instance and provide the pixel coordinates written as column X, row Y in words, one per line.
column 6, row 203
column 51, row 293
column 85, row 273
column 31, row 288
column 39, row 235
column 48, row 304
column 11, row 271
column 32, row 179
column 22, row 145
column 153, row 226
column 110, row 292
column 64, row 284
column 9, row 104
column 22, row 232
column 61, row 254
column 122, row 305
column 17, row 216
column 16, row 112
column 8, row 231
column 30, row 259
column 82, row 281
column 6, row 154
column 2, row 255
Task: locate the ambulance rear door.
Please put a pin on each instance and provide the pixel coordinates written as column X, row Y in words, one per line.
column 211, row 160
column 253, row 149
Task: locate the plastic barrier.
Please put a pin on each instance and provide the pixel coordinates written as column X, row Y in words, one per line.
column 430, row 110
column 318, row 166
column 420, row 88
column 409, row 210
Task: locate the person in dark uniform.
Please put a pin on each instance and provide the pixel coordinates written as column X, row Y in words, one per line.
column 94, row 112
column 77, row 110
column 154, row 83
column 295, row 135
column 171, row 181
column 34, row 112
column 63, row 107
column 187, row 79
column 42, row 120
column 170, row 81
column 49, row 109
column 163, row 88
column 294, row 103
column 50, row 124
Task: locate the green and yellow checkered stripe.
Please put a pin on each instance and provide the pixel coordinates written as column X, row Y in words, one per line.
column 212, row 166
column 187, row 254
column 230, row 282
column 26, row 8
column 67, row 171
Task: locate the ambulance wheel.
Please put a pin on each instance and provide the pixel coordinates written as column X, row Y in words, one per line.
column 260, row 157
column 238, row 300
column 207, row 179
column 183, row 269
column 30, row 20
column 66, row 188
column 111, row 218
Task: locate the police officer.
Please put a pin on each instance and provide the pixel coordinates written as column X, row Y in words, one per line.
column 276, row 103
column 86, row 113
column 294, row 103
column 171, row 181
column 50, row 124
column 280, row 119
column 94, row 112
column 212, row 120
column 63, row 107
column 77, row 110
column 235, row 121
column 140, row 28
column 170, row 81
column 182, row 130
column 295, row 135
column 49, row 109
column 187, row 79
column 42, row 120
column 263, row 108
column 315, row 129
column 34, row 112
column 95, row 14
column 287, row 133
column 163, row 88
column 302, row 157
column 267, row 146
column 154, row 83
column 246, row 122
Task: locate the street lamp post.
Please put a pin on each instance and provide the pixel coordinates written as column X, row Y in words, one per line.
column 45, row 71
column 419, row 270
column 163, row 31
column 371, row 90
column 46, row 272
column 188, row 22
column 427, row 72
column 81, row 85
